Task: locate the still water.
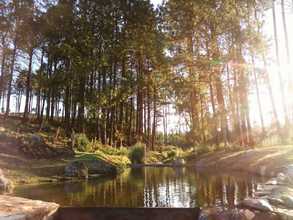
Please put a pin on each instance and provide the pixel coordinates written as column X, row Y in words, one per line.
column 149, row 187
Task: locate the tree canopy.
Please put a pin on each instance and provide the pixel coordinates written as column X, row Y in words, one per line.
column 111, row 68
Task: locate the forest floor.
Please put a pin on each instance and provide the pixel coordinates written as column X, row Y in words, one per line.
column 14, row 163
column 44, row 162
column 267, row 161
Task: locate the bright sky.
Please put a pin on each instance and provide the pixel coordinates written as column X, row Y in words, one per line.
column 156, row 2
column 285, row 68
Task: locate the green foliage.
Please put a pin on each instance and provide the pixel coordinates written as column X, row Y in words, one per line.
column 172, row 154
column 137, row 153
column 179, row 140
column 119, row 161
column 203, row 149
column 167, row 154
column 82, row 143
column 96, row 145
column 123, row 151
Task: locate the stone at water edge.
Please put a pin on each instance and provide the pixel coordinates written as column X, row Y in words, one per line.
column 281, row 178
column 15, row 208
column 249, row 215
column 98, row 166
column 236, row 214
column 76, row 169
column 35, row 140
column 5, row 184
column 289, row 171
column 220, row 214
column 287, row 201
column 276, row 201
column 272, row 181
column 257, row 204
column 179, row 162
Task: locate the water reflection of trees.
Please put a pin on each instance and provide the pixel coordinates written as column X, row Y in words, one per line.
column 151, row 187
column 224, row 190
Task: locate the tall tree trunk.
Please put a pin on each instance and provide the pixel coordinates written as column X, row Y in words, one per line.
column 98, row 119
column 202, row 117
column 67, row 100
column 271, row 95
column 258, row 96
column 288, row 56
column 139, row 119
column 148, row 116
column 52, row 108
column 154, row 119
column 10, row 78
column 130, row 122
column 2, row 73
column 237, row 105
column 284, row 105
column 49, row 90
column 81, row 103
column 28, row 85
column 287, row 47
column 212, row 99
column 221, row 103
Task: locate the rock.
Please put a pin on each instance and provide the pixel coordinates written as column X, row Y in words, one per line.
column 266, row 216
column 262, row 170
column 285, row 214
column 76, row 169
column 35, row 140
column 257, row 204
column 281, row 177
column 178, row 162
column 218, row 214
column 98, row 166
column 276, row 201
column 207, row 214
column 273, row 181
column 289, row 171
column 236, row 214
column 249, row 215
column 287, row 201
column 14, row 208
column 5, row 184
column 281, row 190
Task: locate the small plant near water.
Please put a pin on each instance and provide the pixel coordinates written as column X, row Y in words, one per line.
column 82, row 143
column 172, row 154
column 121, row 151
column 137, row 153
column 204, row 149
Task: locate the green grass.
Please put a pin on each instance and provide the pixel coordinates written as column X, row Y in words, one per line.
column 168, row 154
column 116, row 160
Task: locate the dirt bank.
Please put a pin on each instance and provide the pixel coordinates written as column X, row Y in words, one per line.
column 263, row 161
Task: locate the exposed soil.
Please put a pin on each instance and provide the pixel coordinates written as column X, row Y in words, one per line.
column 21, row 168
column 264, row 161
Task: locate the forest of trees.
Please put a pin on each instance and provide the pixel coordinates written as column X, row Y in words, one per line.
column 109, row 68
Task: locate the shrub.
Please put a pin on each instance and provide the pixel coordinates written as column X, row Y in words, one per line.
column 136, row 154
column 204, row 149
column 122, row 151
column 172, row 154
column 82, row 143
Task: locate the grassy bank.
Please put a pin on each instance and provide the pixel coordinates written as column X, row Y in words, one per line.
column 45, row 162
column 25, row 162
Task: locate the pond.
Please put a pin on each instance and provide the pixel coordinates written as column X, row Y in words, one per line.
column 149, row 187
